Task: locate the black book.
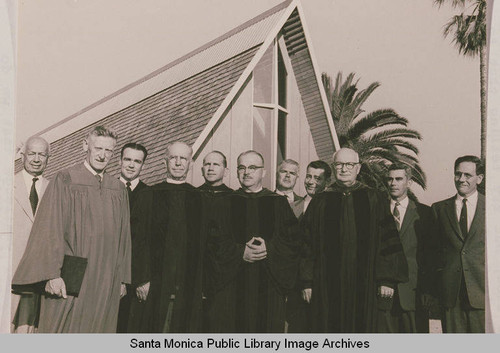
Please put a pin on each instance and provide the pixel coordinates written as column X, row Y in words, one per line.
column 72, row 273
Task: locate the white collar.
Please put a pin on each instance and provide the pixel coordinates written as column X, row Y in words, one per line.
column 403, row 203
column 92, row 170
column 253, row 192
column 471, row 198
column 173, row 181
column 133, row 183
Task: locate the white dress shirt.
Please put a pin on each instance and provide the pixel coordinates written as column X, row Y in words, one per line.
column 403, row 205
column 307, row 200
column 471, row 207
column 133, row 183
column 28, row 180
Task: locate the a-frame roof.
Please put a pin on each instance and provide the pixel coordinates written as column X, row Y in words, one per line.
column 185, row 99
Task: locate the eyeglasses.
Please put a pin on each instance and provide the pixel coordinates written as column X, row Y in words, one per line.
column 250, row 168
column 348, row 165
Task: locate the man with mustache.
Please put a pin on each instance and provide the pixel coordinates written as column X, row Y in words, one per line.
column 132, row 158
column 461, row 235
column 257, row 266
column 172, row 234
column 29, row 187
column 81, row 233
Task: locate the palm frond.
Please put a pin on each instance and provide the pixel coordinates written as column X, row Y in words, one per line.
column 373, row 120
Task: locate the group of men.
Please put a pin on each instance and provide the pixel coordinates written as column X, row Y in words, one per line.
column 110, row 254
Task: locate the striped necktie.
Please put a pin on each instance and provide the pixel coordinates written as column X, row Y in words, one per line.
column 397, row 215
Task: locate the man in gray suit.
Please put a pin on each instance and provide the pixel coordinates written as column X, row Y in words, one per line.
column 408, row 311
column 460, row 231
column 286, row 178
column 29, row 187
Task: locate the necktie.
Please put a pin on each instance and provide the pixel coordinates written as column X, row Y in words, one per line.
column 397, row 215
column 463, row 218
column 129, row 189
column 33, row 196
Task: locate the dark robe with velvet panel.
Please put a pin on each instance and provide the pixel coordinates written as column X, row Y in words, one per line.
column 250, row 297
column 80, row 216
column 352, row 247
column 170, row 238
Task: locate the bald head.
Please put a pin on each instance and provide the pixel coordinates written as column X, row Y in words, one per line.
column 35, row 155
column 346, row 166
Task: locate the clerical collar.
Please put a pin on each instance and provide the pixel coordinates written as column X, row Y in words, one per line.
column 172, row 181
column 253, row 192
column 133, row 183
column 92, row 170
column 346, row 189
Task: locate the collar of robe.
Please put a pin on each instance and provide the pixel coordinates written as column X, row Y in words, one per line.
column 346, row 190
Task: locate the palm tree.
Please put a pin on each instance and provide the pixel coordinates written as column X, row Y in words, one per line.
column 469, row 35
column 380, row 137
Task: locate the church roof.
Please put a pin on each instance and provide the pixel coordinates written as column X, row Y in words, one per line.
column 185, row 99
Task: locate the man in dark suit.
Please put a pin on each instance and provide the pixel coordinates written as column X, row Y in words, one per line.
column 414, row 222
column 133, row 156
column 286, row 178
column 460, row 231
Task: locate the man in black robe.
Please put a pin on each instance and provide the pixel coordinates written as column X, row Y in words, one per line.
column 170, row 245
column 214, row 170
column 133, row 156
column 258, row 263
column 352, row 253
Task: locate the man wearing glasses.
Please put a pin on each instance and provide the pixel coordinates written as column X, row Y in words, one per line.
column 352, row 252
column 460, row 233
column 259, row 263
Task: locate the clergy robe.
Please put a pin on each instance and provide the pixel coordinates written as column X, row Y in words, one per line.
column 131, row 309
column 80, row 216
column 171, row 238
column 250, row 297
column 351, row 247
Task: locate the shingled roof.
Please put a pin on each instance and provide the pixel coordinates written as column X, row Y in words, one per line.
column 185, row 99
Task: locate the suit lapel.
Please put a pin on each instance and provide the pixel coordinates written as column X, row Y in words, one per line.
column 452, row 216
column 478, row 216
column 410, row 214
column 22, row 195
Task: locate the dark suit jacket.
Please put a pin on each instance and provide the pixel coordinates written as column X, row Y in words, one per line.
column 297, row 205
column 416, row 237
column 459, row 255
column 137, row 243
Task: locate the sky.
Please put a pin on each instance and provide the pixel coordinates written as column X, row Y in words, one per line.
column 72, row 53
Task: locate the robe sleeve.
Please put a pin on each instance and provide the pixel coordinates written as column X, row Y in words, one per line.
column 125, row 242
column 140, row 220
column 391, row 266
column 283, row 248
column 44, row 254
column 224, row 255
